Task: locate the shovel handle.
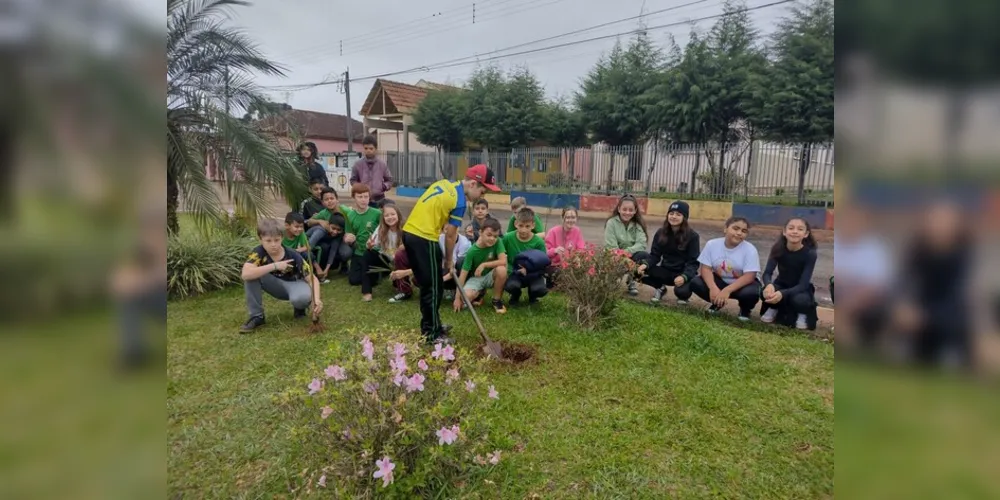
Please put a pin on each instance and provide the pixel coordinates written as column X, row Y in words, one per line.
column 468, row 304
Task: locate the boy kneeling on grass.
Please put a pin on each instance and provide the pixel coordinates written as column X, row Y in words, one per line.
column 486, row 261
column 279, row 271
column 294, row 237
column 526, row 259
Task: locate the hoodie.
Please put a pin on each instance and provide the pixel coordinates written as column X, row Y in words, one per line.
column 677, row 260
column 631, row 238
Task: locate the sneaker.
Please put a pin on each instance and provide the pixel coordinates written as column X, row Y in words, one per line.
column 712, row 309
column 299, row 313
column 478, row 299
column 499, row 307
column 514, row 301
column 399, row 297
column 445, row 329
column 366, row 297
column 682, row 302
column 744, row 315
column 252, row 324
column 769, row 316
column 657, row 295
column 449, row 295
column 326, row 281
column 633, row 288
column 801, row 322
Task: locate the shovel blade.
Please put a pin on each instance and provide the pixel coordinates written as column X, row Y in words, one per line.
column 493, row 349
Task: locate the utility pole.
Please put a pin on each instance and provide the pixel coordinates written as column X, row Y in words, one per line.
column 226, row 90
column 473, row 13
column 347, row 92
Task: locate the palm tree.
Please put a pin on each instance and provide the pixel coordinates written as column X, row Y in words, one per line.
column 209, row 83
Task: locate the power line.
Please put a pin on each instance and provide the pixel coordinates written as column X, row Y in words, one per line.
column 407, row 27
column 476, row 58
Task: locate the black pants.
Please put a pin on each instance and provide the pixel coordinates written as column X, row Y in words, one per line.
column 746, row 296
column 369, row 273
column 659, row 277
column 800, row 303
column 425, row 259
column 640, row 258
column 334, row 252
column 536, row 287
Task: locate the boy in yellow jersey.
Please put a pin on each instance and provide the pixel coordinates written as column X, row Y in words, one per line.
column 442, row 205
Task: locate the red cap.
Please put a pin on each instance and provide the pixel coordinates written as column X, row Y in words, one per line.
column 483, row 175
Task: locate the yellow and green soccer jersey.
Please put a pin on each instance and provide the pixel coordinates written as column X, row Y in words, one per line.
column 443, row 203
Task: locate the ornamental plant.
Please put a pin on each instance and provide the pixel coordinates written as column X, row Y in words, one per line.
column 591, row 279
column 398, row 419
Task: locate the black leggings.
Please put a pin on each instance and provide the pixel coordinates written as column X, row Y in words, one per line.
column 659, row 277
column 364, row 270
column 746, row 296
column 801, row 303
column 536, row 287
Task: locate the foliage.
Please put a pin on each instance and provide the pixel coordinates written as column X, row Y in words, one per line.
column 611, row 95
column 199, row 263
column 504, row 110
column 591, row 278
column 564, row 126
column 793, row 100
column 384, row 400
column 440, row 118
column 721, row 181
column 210, row 72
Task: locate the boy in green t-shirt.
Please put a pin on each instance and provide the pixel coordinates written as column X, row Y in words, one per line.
column 486, row 262
column 294, row 238
column 361, row 221
column 523, row 238
column 518, row 204
column 326, row 233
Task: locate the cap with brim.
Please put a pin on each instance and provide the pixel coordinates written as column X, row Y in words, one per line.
column 483, row 175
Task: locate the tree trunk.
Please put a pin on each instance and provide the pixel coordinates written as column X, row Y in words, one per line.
column 955, row 123
column 652, row 165
column 720, row 176
column 694, row 173
column 805, row 158
column 611, row 171
column 173, row 198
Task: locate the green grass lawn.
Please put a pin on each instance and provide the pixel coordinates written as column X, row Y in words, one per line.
column 667, row 404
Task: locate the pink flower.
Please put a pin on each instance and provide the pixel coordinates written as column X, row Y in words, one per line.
column 493, row 393
column 335, row 372
column 422, row 365
column 398, row 365
column 327, row 411
column 494, row 457
column 399, row 350
column 367, row 349
column 451, row 376
column 470, row 385
column 385, row 467
column 592, row 271
column 479, row 460
column 438, row 350
column 322, row 481
column 370, row 387
column 415, row 383
column 398, row 379
column 448, row 354
column 446, row 435
column 315, row 386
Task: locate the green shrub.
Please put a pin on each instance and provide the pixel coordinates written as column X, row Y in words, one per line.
column 197, row 264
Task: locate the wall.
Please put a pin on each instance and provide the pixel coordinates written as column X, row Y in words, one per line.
column 392, row 140
column 324, row 145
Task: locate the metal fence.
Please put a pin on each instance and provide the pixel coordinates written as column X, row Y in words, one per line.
column 744, row 171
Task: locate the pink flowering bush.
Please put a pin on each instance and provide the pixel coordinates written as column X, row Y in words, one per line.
column 591, row 279
column 398, row 418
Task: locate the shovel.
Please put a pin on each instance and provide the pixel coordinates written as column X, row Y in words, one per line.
column 493, row 349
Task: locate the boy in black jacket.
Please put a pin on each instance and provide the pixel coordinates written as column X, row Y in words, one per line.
column 673, row 255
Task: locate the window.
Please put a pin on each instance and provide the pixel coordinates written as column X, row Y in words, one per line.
column 541, row 164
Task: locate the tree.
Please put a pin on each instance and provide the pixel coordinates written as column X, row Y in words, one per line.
column 564, row 126
column 439, row 121
column 504, row 110
column 208, row 65
column 611, row 97
column 793, row 101
column 267, row 108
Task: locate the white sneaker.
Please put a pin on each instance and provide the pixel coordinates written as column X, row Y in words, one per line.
column 681, row 302
column 801, row 323
column 657, row 295
column 633, row 288
column 769, row 316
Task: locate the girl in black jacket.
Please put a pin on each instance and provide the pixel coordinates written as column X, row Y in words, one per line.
column 673, row 255
column 791, row 295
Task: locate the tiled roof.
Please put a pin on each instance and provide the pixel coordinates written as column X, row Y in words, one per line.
column 401, row 98
column 314, row 124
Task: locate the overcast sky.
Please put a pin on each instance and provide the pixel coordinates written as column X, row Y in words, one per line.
column 382, row 36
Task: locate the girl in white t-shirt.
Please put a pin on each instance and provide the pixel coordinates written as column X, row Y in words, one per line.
column 729, row 268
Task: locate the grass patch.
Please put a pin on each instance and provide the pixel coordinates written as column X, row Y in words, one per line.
column 666, row 404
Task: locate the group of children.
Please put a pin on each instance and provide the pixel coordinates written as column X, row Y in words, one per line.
column 326, row 235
